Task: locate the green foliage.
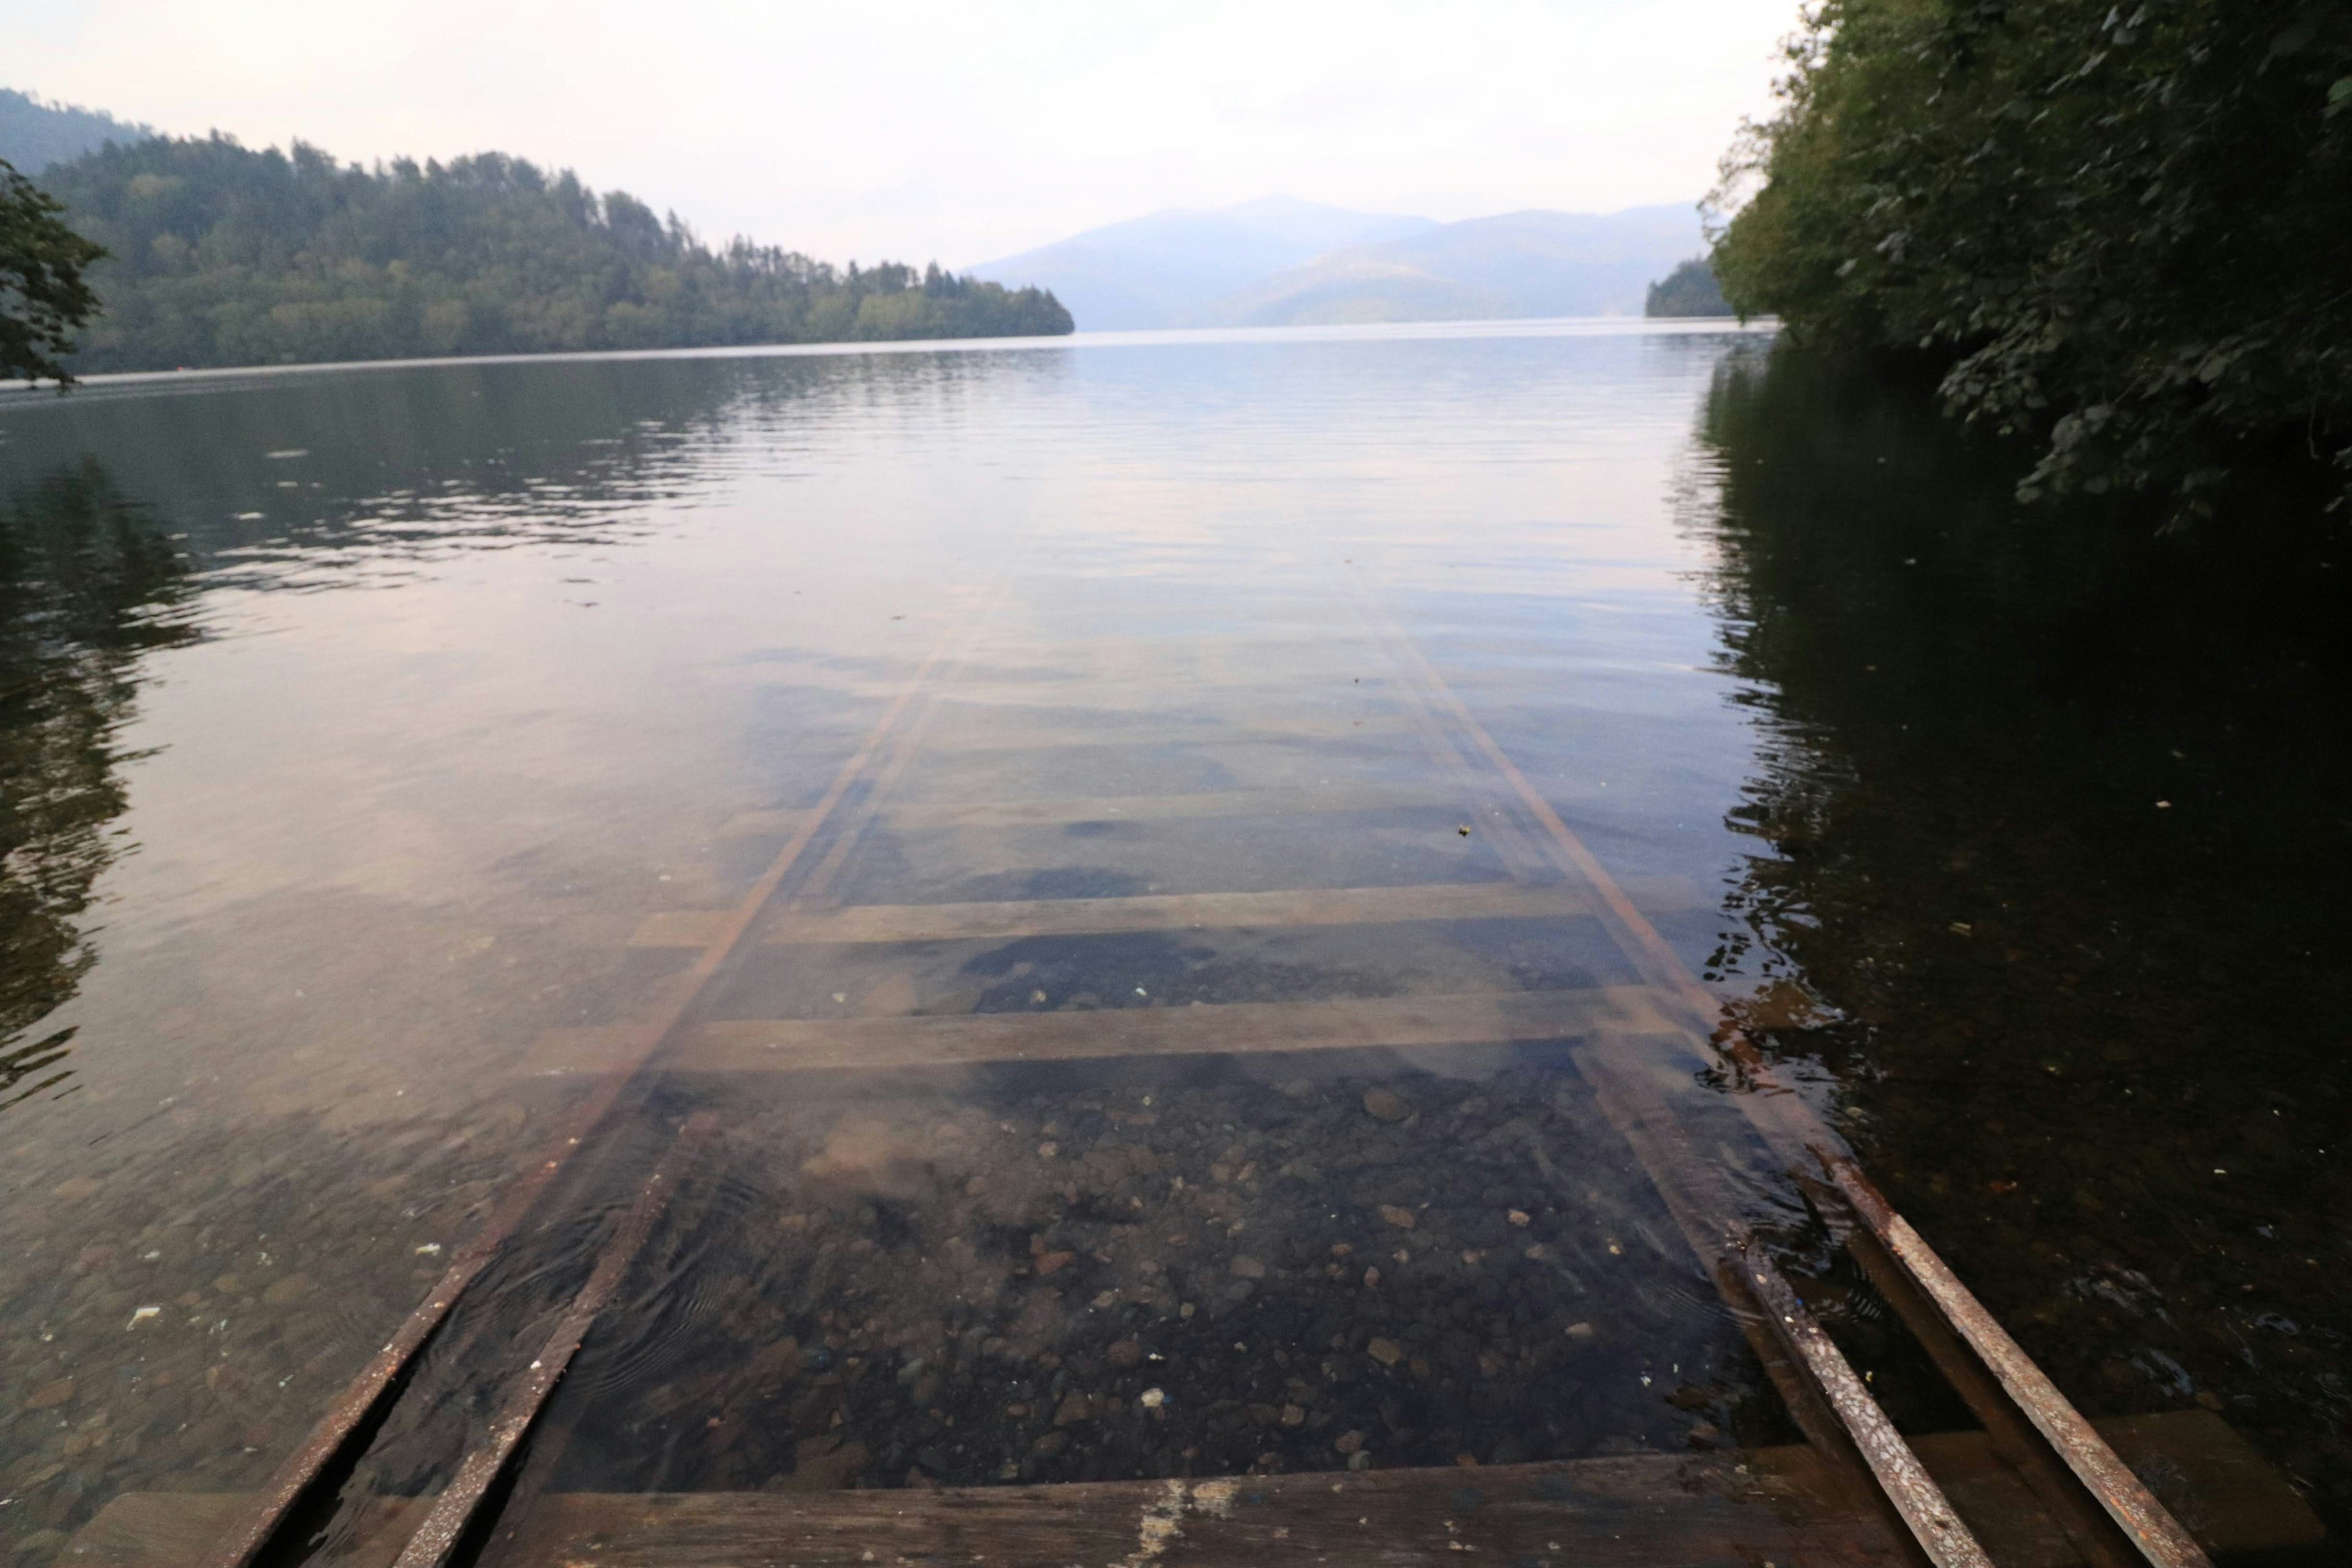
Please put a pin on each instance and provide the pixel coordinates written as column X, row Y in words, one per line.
column 2119, row 226
column 1964, row 909
column 1688, row 290
column 43, row 297
column 225, row 256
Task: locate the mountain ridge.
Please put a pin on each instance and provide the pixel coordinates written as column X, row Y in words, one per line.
column 1164, row 266
column 36, row 132
column 1257, row 264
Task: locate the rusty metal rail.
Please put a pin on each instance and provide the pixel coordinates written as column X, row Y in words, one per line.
column 2110, row 1519
column 2015, row 1399
column 445, row 1529
column 2108, row 1514
column 355, row 1414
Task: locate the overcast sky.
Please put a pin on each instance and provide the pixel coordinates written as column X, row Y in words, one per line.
column 964, row 131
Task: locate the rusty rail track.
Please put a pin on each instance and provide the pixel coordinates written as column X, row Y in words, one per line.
column 2110, row 1518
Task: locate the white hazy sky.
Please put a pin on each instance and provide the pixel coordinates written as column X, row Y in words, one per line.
column 957, row 131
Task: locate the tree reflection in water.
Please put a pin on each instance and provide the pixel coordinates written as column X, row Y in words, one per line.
column 2053, row 847
column 88, row 584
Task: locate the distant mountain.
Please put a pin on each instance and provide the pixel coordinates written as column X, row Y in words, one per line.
column 1517, row 264
column 34, row 135
column 1165, row 269
column 1280, row 262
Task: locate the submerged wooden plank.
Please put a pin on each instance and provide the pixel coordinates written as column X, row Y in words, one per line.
column 1647, row 1510
column 1776, row 1505
column 790, row 1045
column 1310, row 800
column 1307, row 800
column 1634, row 1512
column 1166, row 911
column 776, row 822
column 1179, row 911
column 171, row 1530
column 1027, row 737
column 681, row 927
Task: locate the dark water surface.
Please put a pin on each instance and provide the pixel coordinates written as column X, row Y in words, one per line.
column 1173, row 1035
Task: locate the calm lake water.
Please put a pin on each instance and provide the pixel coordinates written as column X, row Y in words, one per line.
column 1062, row 856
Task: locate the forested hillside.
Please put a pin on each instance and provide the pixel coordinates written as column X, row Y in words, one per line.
column 2120, row 227
column 35, row 133
column 1688, row 290
column 219, row 255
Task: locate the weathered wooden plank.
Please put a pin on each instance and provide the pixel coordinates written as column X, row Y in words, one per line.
column 171, row 1530
column 681, row 927
column 2210, row 1479
column 1310, row 800
column 1164, row 911
column 1182, row 911
column 776, row 822
column 1608, row 1513
column 970, row 737
column 2208, row 1474
column 1773, row 1505
column 1245, row 1028
column 788, row 1044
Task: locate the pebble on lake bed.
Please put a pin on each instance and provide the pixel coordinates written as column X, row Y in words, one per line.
column 1385, row 1105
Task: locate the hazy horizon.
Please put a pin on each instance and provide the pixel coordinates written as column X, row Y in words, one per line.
column 935, row 131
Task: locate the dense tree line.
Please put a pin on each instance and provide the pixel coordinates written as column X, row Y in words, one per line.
column 221, row 254
column 2120, row 227
column 1690, row 289
column 43, row 294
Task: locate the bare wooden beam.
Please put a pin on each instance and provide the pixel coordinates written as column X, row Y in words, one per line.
column 1311, row 799
column 1005, row 920
column 977, row 736
column 1634, row 1512
column 1604, row 1508
column 1298, row 801
column 1229, row 1028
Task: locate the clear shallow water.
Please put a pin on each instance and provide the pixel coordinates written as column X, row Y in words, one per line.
column 396, row 736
